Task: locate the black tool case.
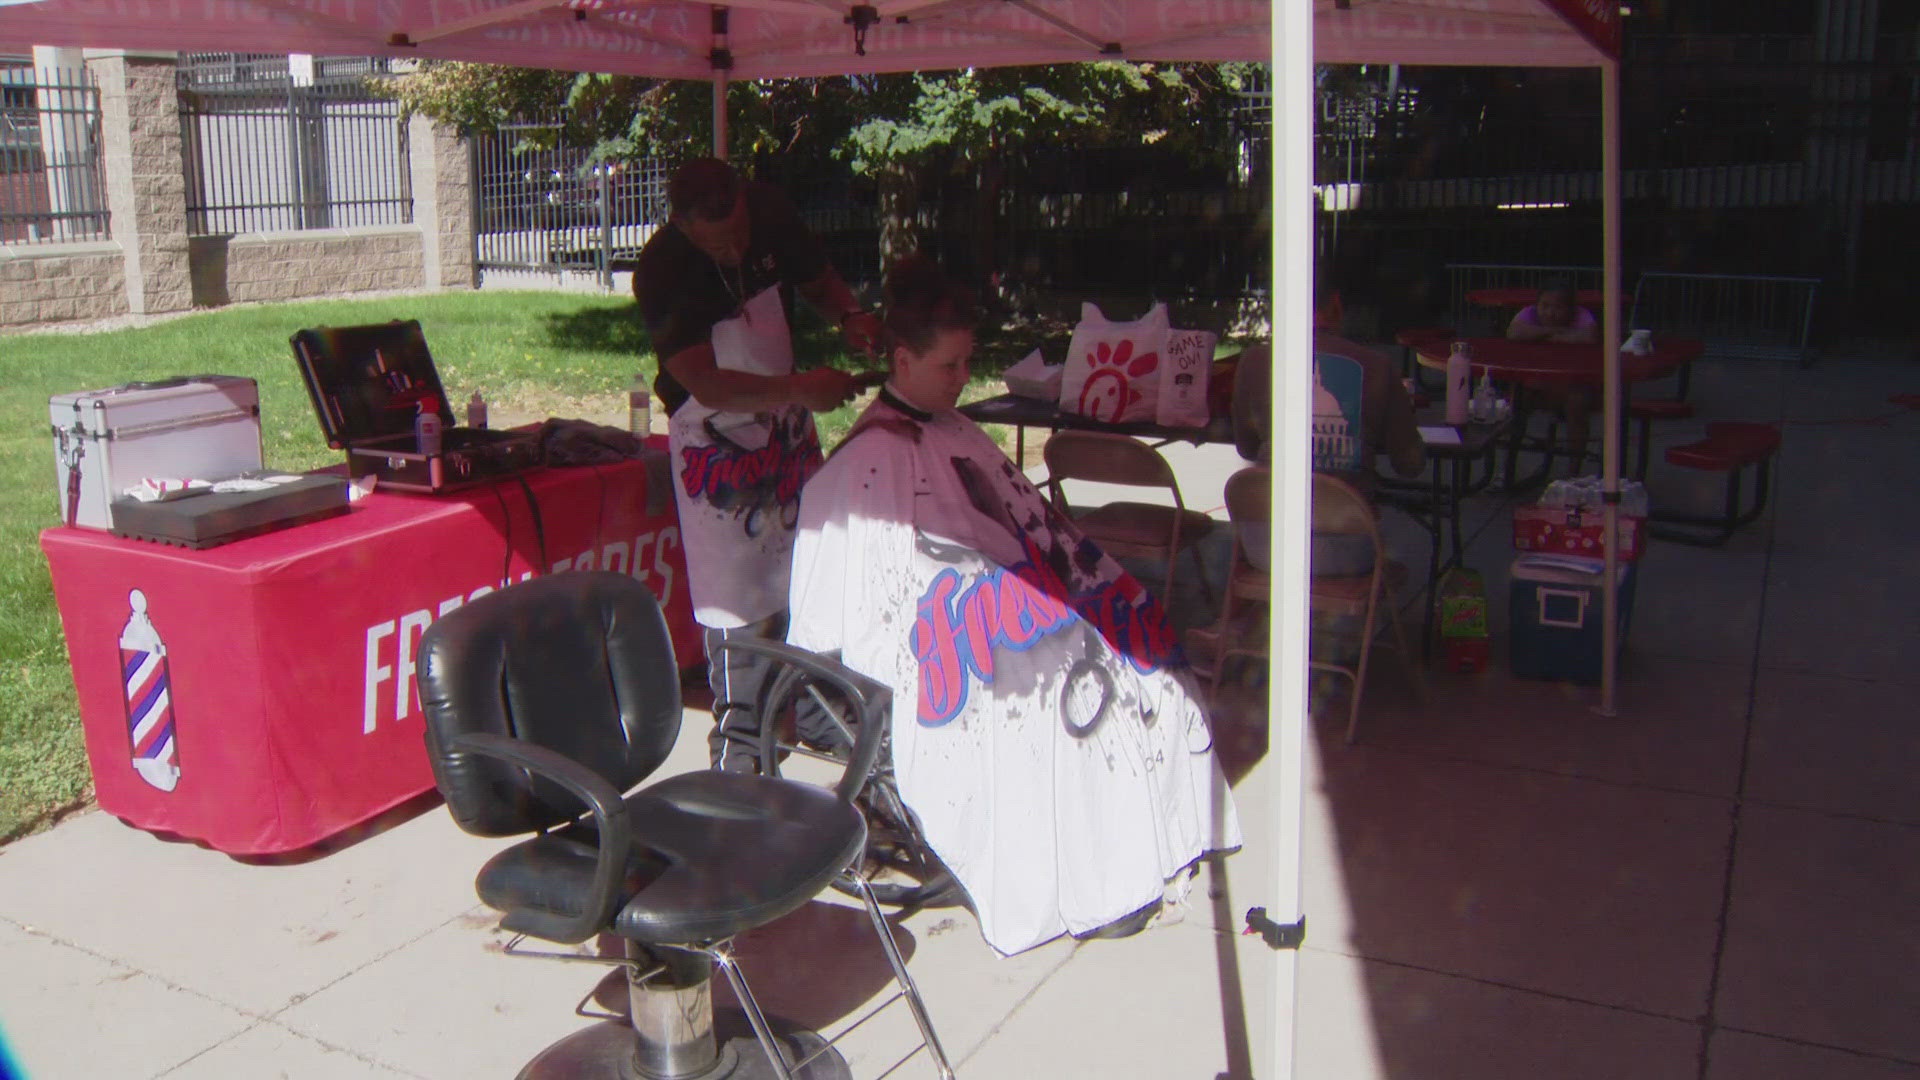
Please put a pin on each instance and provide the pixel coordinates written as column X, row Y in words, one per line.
column 366, row 383
column 204, row 519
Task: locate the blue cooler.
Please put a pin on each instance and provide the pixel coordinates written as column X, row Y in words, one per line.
column 1554, row 605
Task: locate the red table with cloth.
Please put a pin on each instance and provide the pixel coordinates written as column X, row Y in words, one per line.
column 287, row 667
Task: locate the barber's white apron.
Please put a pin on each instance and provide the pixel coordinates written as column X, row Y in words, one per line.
column 737, row 477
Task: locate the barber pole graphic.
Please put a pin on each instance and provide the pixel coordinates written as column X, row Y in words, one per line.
column 149, row 697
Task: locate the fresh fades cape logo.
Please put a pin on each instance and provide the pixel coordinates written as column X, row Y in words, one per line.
column 732, row 477
column 958, row 629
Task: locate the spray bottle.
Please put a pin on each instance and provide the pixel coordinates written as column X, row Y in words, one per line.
column 427, row 430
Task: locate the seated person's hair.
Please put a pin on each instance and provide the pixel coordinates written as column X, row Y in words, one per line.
column 921, row 302
column 1558, row 285
column 705, row 188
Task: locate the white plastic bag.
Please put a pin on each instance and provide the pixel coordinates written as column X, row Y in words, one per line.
column 1113, row 369
column 1183, row 379
column 1034, row 378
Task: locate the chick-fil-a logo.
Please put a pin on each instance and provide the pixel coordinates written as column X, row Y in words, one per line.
column 1112, row 371
column 957, row 631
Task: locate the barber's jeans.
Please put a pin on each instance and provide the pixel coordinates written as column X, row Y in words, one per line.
column 738, row 681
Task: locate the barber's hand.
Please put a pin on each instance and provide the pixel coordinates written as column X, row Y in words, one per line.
column 862, row 332
column 823, row 388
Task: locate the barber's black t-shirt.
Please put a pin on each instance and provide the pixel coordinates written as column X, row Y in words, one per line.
column 682, row 292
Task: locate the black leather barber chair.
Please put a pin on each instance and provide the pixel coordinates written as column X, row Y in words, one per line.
column 546, row 703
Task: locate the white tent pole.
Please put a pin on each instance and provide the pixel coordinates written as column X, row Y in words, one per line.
column 1291, row 301
column 721, row 57
column 1610, row 338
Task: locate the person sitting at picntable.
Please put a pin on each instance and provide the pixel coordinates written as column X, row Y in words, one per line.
column 1557, row 316
column 1046, row 730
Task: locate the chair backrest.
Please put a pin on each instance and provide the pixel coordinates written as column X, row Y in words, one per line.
column 579, row 663
column 1340, row 510
column 1339, row 435
column 1105, row 458
column 1251, row 407
column 1249, row 498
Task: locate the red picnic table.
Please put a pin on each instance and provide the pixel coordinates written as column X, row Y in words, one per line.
column 1554, row 363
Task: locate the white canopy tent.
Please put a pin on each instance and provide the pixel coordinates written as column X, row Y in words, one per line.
column 753, row 39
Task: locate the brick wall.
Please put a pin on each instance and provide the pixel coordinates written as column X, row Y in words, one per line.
column 61, row 283
column 322, row 262
column 152, row 266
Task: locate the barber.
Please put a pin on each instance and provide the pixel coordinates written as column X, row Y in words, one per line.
column 715, row 288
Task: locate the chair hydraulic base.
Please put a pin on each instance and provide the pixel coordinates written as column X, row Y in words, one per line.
column 606, row 1051
column 672, row 1034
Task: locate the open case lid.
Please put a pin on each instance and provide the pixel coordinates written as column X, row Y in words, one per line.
column 366, row 381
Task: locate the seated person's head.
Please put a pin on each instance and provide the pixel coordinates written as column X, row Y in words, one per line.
column 930, row 324
column 1555, row 306
column 706, row 204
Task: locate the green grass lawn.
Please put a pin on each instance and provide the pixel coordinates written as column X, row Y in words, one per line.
column 531, row 354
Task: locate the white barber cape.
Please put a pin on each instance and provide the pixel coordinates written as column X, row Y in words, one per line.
column 1045, row 728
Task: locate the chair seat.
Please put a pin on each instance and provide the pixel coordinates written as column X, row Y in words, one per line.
column 715, row 854
column 1132, row 524
column 1351, row 592
column 1250, row 584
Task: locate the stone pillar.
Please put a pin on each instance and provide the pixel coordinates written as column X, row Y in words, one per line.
column 63, row 139
column 146, row 183
column 442, row 175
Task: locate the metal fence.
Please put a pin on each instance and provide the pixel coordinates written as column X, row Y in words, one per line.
column 1463, row 278
column 1720, row 121
column 271, row 146
column 1742, row 316
column 540, row 203
column 51, row 187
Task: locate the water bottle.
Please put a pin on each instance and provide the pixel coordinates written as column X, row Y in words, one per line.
column 476, row 411
column 639, row 406
column 1459, row 372
column 1485, row 403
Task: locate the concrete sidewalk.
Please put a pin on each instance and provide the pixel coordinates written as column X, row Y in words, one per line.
column 1721, row 883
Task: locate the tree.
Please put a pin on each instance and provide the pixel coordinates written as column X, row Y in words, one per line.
column 910, row 134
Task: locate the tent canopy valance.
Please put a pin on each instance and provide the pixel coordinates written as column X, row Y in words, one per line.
column 752, row 39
